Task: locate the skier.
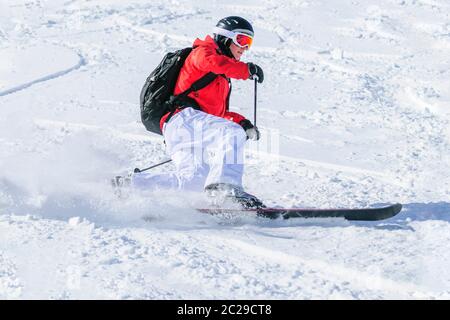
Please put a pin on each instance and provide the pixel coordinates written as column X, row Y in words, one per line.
column 203, row 138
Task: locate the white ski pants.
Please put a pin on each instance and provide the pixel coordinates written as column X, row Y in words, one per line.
column 205, row 149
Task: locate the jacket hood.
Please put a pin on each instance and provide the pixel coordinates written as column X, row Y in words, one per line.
column 208, row 42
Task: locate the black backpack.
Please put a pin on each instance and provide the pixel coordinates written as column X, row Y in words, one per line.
column 157, row 97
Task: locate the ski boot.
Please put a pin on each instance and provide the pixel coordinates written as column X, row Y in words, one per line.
column 121, row 184
column 221, row 192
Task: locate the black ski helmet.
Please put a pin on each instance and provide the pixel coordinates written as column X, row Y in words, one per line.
column 234, row 24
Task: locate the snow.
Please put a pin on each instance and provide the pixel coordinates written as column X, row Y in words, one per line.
column 354, row 111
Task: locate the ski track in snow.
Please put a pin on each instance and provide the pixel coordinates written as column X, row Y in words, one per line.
column 353, row 112
column 363, row 280
column 52, row 76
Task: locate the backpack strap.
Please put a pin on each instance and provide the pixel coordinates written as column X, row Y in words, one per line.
column 229, row 94
column 199, row 84
column 196, row 86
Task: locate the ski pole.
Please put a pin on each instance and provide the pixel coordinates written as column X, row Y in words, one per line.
column 137, row 170
column 256, row 88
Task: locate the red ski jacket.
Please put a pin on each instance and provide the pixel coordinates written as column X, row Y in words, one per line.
column 212, row 99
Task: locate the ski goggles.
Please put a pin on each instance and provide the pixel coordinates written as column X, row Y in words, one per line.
column 240, row 39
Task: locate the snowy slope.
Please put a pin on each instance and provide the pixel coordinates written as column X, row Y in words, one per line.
column 354, row 111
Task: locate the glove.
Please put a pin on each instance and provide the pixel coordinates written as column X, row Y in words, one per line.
column 251, row 131
column 255, row 71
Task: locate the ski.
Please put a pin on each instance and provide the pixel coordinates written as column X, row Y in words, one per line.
column 359, row 214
